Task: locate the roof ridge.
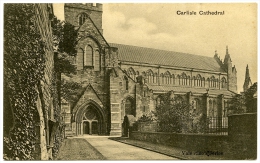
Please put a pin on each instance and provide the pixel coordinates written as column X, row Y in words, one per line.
column 133, row 53
column 161, row 50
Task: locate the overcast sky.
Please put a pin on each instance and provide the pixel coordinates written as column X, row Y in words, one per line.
column 159, row 26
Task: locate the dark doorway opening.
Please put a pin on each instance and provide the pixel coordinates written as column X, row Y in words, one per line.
column 94, row 127
column 86, row 127
column 129, row 107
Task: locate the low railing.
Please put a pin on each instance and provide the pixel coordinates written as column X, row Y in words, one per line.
column 217, row 125
column 212, row 125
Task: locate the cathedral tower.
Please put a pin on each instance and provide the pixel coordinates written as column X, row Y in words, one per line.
column 247, row 82
column 77, row 13
column 231, row 72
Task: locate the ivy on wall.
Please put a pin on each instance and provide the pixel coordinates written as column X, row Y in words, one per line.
column 24, row 63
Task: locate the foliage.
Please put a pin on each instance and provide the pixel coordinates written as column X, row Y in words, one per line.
column 236, row 104
column 148, row 117
column 58, row 139
column 24, row 63
column 63, row 64
column 245, row 102
column 175, row 115
column 64, row 37
column 71, row 91
column 64, row 42
column 250, row 100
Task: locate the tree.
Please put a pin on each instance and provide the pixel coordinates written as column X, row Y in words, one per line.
column 250, row 100
column 64, row 45
column 237, row 104
column 244, row 103
column 64, row 37
column 71, row 91
column 175, row 115
column 64, row 40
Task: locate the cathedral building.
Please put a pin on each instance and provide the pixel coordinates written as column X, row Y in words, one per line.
column 121, row 80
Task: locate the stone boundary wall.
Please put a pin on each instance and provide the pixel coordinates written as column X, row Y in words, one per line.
column 242, row 131
column 240, row 143
column 147, row 126
column 186, row 141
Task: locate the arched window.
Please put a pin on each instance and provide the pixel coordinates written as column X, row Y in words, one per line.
column 155, row 77
column 150, row 76
column 167, row 77
column 194, row 81
column 203, row 82
column 88, row 58
column 97, row 61
column 126, row 82
column 131, row 73
column 223, row 82
column 208, row 82
column 80, row 59
column 199, row 80
column 82, row 18
column 161, row 79
column 173, row 79
column 144, row 77
column 212, row 82
column 184, row 79
column 188, row 80
column 178, row 80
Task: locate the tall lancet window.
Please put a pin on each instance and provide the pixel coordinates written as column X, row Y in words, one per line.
column 223, row 82
column 80, row 57
column 97, row 61
column 88, row 57
column 82, row 18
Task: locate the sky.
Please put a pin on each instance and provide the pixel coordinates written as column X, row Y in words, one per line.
column 157, row 25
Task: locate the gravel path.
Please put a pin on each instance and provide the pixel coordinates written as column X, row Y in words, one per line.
column 78, row 149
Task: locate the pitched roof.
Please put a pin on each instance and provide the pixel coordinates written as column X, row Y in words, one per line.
column 160, row 88
column 167, row 58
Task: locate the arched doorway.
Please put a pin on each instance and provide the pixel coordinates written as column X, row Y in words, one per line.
column 86, row 127
column 90, row 121
column 129, row 107
column 128, row 110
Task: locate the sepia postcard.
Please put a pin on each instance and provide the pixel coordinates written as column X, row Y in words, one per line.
column 130, row 81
